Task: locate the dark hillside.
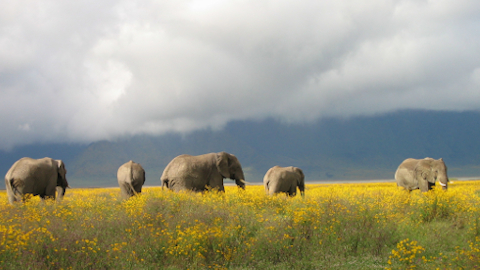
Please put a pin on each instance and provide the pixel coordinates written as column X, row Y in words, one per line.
column 355, row 148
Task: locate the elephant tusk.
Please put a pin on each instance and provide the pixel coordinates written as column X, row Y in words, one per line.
column 442, row 184
column 243, row 181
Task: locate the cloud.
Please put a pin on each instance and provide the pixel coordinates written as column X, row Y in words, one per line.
column 87, row 70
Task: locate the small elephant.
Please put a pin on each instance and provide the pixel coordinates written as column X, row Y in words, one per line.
column 421, row 174
column 284, row 179
column 42, row 177
column 131, row 177
column 197, row 173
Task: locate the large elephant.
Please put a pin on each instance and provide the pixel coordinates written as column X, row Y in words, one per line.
column 284, row 179
column 197, row 173
column 42, row 177
column 421, row 174
column 131, row 177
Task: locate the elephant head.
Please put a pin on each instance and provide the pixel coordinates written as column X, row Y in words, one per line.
column 62, row 183
column 301, row 181
column 429, row 170
column 229, row 167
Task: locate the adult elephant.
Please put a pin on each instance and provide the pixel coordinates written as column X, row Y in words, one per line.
column 284, row 179
column 131, row 177
column 197, row 173
column 421, row 174
column 42, row 177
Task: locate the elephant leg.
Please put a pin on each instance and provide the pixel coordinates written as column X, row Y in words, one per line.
column 216, row 183
column 26, row 197
column 13, row 193
column 49, row 197
column 131, row 189
column 273, row 188
column 60, row 191
column 423, row 185
column 137, row 186
column 124, row 191
column 293, row 191
column 51, row 192
column 44, row 197
column 12, row 198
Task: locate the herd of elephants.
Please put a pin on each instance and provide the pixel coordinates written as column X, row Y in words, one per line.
column 46, row 177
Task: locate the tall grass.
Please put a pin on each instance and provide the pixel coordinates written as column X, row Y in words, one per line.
column 344, row 226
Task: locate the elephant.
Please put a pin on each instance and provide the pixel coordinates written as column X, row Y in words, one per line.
column 421, row 174
column 131, row 177
column 284, row 179
column 198, row 173
column 44, row 177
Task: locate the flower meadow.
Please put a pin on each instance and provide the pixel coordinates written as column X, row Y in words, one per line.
column 335, row 226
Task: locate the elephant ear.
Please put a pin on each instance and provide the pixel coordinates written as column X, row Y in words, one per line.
column 422, row 175
column 428, row 168
column 62, row 172
column 61, row 167
column 222, row 164
column 301, row 180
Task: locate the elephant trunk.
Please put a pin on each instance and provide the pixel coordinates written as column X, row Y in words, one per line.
column 443, row 181
column 302, row 189
column 301, row 186
column 240, row 183
column 239, row 178
column 444, row 185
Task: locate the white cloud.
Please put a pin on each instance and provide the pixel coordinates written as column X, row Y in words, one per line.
column 88, row 70
column 24, row 127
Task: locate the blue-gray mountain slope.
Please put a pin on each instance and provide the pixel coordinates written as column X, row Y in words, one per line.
column 354, row 148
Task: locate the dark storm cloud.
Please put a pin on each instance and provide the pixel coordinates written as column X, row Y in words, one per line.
column 88, row 70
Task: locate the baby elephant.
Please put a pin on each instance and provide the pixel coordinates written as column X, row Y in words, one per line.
column 131, row 177
column 284, row 179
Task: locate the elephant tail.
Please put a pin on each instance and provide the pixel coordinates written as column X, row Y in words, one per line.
column 130, row 186
column 132, row 189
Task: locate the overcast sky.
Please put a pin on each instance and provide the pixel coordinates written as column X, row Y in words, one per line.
column 81, row 71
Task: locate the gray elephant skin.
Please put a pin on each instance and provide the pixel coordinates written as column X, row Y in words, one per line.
column 131, row 177
column 421, row 174
column 284, row 180
column 198, row 173
column 42, row 177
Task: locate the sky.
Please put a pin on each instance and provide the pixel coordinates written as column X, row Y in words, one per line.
column 82, row 71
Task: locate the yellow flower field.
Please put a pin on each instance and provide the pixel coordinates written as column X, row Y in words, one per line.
column 338, row 226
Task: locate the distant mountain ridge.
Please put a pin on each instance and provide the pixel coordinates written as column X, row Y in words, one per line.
column 355, row 148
